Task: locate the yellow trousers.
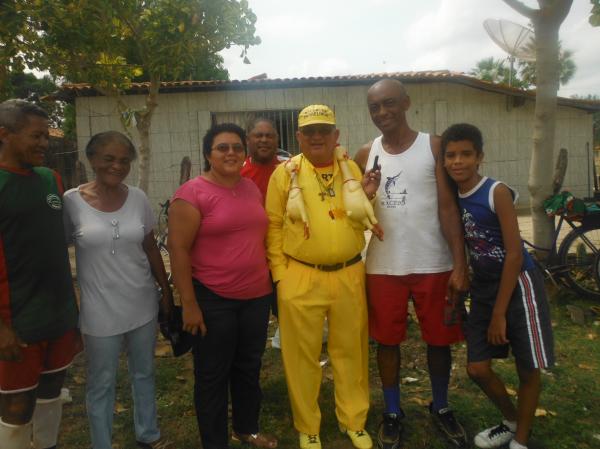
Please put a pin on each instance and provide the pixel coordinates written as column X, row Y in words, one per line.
column 305, row 297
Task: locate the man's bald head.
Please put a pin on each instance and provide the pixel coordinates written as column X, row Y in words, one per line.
column 388, row 85
column 388, row 102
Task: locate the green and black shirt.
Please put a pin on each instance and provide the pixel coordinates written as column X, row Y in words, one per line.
column 36, row 290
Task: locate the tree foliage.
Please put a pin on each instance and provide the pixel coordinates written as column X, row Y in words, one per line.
column 596, row 116
column 111, row 43
column 567, row 69
column 595, row 13
column 27, row 86
column 524, row 75
column 209, row 68
column 492, row 70
column 13, row 27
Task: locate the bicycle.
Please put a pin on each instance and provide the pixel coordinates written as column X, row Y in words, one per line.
column 163, row 223
column 576, row 262
column 163, row 232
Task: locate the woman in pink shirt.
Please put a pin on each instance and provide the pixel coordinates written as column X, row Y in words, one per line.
column 217, row 228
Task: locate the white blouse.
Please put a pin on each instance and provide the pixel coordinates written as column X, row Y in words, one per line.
column 118, row 292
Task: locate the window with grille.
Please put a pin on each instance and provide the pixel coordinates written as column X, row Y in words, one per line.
column 286, row 121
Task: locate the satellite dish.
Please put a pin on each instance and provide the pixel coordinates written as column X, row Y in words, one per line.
column 516, row 40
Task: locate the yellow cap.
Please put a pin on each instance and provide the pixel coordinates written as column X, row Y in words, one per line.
column 316, row 114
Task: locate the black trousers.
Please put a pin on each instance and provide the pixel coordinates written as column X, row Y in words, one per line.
column 227, row 360
column 274, row 309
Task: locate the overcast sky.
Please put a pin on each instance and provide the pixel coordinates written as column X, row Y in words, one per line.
column 348, row 37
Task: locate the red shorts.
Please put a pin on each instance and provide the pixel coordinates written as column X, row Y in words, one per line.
column 388, row 308
column 42, row 357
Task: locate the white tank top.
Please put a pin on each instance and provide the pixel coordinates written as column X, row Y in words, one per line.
column 407, row 210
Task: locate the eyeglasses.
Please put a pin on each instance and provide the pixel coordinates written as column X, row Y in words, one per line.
column 225, row 147
column 311, row 130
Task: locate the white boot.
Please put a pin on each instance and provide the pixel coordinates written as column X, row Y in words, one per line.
column 325, row 330
column 14, row 436
column 46, row 422
column 275, row 341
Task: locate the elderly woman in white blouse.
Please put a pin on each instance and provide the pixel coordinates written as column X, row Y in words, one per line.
column 118, row 269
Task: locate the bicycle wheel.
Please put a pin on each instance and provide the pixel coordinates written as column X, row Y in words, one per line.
column 162, row 223
column 596, row 268
column 164, row 252
column 577, row 256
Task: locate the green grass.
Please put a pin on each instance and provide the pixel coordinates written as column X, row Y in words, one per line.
column 571, row 396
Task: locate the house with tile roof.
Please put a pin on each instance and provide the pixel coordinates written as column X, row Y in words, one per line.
column 439, row 98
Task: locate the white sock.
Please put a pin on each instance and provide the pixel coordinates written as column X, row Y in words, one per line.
column 15, row 436
column 46, row 421
column 512, row 425
column 515, row 445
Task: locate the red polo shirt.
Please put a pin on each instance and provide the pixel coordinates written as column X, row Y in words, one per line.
column 260, row 173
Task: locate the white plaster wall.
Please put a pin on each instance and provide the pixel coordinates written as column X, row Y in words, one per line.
column 181, row 120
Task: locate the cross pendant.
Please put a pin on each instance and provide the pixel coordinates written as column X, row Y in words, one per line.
column 322, row 195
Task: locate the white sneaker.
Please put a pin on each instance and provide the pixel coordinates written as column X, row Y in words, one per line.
column 65, row 396
column 515, row 445
column 275, row 342
column 496, row 436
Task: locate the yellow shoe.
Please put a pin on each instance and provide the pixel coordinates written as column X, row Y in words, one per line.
column 309, row 441
column 360, row 438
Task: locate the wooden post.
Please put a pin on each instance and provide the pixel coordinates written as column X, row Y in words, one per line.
column 560, row 170
column 185, row 170
column 80, row 173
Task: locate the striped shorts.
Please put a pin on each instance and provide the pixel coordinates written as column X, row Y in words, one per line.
column 528, row 326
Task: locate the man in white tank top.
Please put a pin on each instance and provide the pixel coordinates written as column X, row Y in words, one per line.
column 421, row 257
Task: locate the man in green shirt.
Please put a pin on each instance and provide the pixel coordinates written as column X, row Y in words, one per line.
column 38, row 312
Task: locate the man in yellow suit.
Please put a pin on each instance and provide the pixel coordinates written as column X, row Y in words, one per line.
column 315, row 261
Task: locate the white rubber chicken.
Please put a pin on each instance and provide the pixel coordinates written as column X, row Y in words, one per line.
column 295, row 208
column 356, row 203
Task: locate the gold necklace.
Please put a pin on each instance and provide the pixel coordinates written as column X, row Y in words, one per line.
column 324, row 190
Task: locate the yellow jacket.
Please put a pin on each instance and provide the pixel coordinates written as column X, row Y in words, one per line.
column 332, row 240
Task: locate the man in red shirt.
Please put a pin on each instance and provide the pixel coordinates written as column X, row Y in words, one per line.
column 262, row 159
column 261, row 140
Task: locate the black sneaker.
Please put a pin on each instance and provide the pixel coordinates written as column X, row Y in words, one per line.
column 390, row 430
column 450, row 427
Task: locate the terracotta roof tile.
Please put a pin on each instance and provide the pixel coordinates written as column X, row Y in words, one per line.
column 69, row 91
column 55, row 132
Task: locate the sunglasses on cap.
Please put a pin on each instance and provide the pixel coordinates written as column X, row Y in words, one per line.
column 323, row 130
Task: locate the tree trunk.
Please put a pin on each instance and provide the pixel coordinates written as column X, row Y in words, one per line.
column 3, row 81
column 560, row 170
column 143, row 123
column 546, row 22
column 81, row 176
column 542, row 155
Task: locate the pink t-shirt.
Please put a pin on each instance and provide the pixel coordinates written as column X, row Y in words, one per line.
column 228, row 255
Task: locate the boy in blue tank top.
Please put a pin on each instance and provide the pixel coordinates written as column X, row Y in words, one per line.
column 508, row 300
